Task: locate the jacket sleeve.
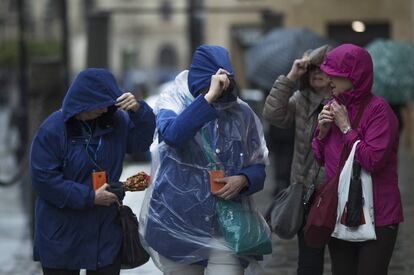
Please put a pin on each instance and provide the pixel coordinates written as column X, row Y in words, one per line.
column 280, row 105
column 141, row 127
column 46, row 164
column 318, row 147
column 255, row 175
column 378, row 140
column 176, row 130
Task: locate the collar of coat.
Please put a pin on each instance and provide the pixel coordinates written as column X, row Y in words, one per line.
column 104, row 125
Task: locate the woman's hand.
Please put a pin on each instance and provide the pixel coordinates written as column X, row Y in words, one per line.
column 103, row 197
column 340, row 116
column 325, row 119
column 233, row 186
column 127, row 102
column 219, row 82
column 299, row 67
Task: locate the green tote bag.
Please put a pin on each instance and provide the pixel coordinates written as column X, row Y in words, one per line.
column 244, row 231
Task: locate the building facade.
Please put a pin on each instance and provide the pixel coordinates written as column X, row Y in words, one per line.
column 151, row 34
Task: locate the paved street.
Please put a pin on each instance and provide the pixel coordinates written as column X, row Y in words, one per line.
column 15, row 245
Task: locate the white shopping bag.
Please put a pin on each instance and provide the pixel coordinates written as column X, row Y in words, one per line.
column 365, row 231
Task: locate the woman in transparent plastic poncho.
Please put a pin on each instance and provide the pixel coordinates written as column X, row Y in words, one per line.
column 209, row 157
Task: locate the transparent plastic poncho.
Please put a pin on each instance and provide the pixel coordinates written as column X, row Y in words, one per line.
column 181, row 219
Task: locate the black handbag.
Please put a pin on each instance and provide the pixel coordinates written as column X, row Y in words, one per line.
column 285, row 214
column 132, row 252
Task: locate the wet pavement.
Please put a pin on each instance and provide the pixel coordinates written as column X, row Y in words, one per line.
column 16, row 247
column 15, row 241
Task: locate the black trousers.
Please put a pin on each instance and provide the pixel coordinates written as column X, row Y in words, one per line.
column 364, row 258
column 310, row 260
column 113, row 269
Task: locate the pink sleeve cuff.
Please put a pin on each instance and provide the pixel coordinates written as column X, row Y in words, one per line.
column 350, row 137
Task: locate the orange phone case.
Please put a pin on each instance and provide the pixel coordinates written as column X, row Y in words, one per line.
column 216, row 174
column 98, row 179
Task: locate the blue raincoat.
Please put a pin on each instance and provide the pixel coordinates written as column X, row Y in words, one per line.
column 180, row 222
column 70, row 231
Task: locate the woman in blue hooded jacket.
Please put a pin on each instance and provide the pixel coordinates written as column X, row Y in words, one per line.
column 201, row 126
column 76, row 226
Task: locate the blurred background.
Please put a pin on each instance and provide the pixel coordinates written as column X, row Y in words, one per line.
column 145, row 43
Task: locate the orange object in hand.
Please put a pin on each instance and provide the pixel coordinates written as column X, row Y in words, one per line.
column 98, row 179
column 216, row 174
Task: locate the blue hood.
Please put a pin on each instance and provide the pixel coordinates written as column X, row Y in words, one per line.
column 207, row 59
column 91, row 89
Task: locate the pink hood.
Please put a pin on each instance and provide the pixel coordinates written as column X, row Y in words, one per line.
column 377, row 130
column 354, row 63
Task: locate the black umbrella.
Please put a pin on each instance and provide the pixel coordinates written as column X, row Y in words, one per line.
column 354, row 206
column 274, row 54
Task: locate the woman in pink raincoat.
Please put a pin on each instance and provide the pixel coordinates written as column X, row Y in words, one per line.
column 351, row 72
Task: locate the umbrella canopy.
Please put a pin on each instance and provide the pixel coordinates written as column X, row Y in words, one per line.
column 274, row 54
column 393, row 70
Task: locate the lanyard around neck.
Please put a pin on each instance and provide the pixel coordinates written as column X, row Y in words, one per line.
column 87, row 146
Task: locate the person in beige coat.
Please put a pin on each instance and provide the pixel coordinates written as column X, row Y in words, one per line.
column 286, row 108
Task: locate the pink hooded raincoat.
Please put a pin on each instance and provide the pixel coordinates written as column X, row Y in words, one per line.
column 377, row 130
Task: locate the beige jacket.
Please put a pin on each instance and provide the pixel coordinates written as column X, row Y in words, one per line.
column 285, row 108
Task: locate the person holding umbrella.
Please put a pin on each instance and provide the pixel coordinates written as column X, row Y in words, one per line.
column 76, row 152
column 350, row 69
column 285, row 108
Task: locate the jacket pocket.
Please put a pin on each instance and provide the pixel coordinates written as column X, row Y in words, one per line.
column 51, row 224
column 56, row 233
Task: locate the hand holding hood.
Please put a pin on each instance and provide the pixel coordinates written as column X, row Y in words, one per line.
column 207, row 60
column 316, row 58
column 91, row 89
